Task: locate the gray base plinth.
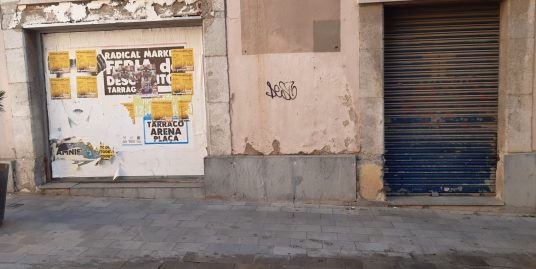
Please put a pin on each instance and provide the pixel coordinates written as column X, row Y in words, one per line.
column 520, row 180
column 320, row 179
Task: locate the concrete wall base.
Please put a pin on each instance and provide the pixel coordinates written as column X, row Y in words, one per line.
column 317, row 179
column 520, row 180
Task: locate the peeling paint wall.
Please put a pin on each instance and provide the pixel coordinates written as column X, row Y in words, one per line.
column 289, row 99
column 102, row 11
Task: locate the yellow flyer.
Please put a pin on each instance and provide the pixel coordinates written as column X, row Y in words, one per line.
column 60, row 88
column 182, row 83
column 182, row 60
column 86, row 87
column 58, row 61
column 106, row 152
column 86, row 61
column 131, row 111
column 184, row 109
column 162, row 109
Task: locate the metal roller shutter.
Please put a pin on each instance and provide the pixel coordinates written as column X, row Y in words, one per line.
column 441, row 98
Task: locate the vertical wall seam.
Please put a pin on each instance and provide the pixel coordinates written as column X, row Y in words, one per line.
column 229, row 109
column 533, row 128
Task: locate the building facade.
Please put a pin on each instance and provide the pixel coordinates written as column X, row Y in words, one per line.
column 309, row 101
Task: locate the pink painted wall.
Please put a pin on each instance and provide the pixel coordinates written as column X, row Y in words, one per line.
column 323, row 117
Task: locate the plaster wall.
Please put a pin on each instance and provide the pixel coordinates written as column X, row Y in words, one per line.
column 516, row 132
column 322, row 118
column 7, row 149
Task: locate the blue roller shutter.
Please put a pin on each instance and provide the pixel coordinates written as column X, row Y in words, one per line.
column 441, row 67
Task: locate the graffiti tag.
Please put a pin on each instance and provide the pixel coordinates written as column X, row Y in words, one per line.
column 285, row 90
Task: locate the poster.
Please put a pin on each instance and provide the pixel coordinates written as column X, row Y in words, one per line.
column 86, row 61
column 174, row 131
column 60, row 88
column 80, row 152
column 137, row 71
column 59, row 62
column 182, row 83
column 182, row 60
column 184, row 108
column 86, row 87
column 117, row 114
column 162, row 110
column 131, row 111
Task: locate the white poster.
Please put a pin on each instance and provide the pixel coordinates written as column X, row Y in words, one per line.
column 114, row 106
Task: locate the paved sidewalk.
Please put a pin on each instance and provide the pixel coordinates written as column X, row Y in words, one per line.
column 85, row 232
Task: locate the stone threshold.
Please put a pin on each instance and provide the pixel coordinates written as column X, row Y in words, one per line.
column 85, row 185
column 186, row 189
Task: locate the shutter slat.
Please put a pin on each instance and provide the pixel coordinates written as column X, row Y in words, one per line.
column 441, row 69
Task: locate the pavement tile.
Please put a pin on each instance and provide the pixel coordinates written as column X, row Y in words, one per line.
column 95, row 243
column 254, row 266
column 214, row 266
column 338, row 245
column 353, row 237
column 350, row 230
column 374, row 247
column 142, row 265
column 322, row 236
column 36, row 259
column 283, row 250
column 100, row 252
column 81, row 232
column 14, row 266
column 193, row 247
column 163, row 246
column 306, row 243
column 379, row 265
column 323, row 253
column 176, row 265
column 34, row 249
column 416, row 265
column 165, row 223
column 273, row 241
column 128, row 244
column 9, row 248
column 467, row 260
column 10, row 257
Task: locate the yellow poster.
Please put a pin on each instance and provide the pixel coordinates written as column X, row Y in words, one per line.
column 182, row 60
column 184, row 109
column 86, row 87
column 182, row 83
column 60, row 88
column 162, row 109
column 131, row 111
column 58, row 62
column 86, row 61
column 106, row 152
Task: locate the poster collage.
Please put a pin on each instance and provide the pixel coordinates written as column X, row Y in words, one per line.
column 154, row 86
